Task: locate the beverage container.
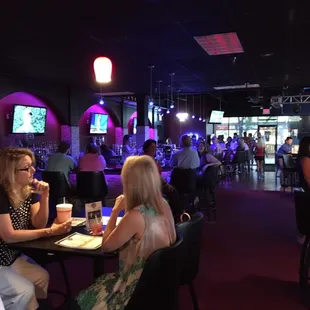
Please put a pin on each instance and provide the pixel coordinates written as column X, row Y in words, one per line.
column 96, row 229
column 64, row 212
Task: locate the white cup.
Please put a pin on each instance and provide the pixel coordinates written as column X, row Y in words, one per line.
column 64, row 212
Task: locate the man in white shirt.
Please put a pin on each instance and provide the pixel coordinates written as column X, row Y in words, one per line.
column 187, row 158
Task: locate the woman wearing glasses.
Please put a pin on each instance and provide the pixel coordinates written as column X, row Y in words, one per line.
column 23, row 217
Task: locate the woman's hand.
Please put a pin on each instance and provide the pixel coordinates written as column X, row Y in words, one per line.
column 40, row 187
column 60, row 228
column 119, row 204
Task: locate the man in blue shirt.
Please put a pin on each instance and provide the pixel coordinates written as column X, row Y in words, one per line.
column 285, row 148
column 187, row 158
column 61, row 161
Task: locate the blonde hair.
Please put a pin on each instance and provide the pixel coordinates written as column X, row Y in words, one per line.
column 142, row 184
column 260, row 142
column 9, row 161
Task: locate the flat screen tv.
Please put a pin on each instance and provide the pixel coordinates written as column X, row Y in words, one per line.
column 98, row 123
column 216, row 117
column 27, row 119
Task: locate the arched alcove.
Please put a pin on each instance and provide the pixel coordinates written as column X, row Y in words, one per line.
column 84, row 125
column 52, row 130
column 132, row 123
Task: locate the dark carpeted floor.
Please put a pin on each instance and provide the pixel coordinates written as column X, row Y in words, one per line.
column 249, row 258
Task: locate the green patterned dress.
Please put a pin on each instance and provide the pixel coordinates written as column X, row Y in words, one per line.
column 112, row 291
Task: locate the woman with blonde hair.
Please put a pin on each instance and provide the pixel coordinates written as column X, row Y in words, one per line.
column 147, row 226
column 23, row 217
column 259, row 151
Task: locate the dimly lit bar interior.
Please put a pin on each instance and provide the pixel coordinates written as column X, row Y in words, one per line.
column 154, row 156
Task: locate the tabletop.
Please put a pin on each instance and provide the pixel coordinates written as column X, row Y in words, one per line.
column 48, row 245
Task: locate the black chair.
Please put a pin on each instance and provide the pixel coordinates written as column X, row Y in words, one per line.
column 191, row 231
column 242, row 160
column 184, row 181
column 59, row 188
column 91, row 186
column 290, row 171
column 159, row 284
column 302, row 212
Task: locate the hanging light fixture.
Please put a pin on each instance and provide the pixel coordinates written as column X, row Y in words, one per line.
column 159, row 105
column 171, row 90
column 200, row 118
column 103, row 69
column 193, row 116
column 151, row 101
column 182, row 116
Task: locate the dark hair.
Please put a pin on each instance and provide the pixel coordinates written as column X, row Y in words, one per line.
column 186, row 141
column 63, row 147
column 288, row 138
column 92, row 148
column 304, row 147
column 147, row 144
column 126, row 138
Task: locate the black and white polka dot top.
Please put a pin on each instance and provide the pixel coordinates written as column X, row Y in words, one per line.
column 21, row 219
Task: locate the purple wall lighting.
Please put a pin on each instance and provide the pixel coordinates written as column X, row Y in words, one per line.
column 84, row 125
column 52, row 132
column 131, row 124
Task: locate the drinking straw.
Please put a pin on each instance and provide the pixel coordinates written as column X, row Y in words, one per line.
column 64, row 200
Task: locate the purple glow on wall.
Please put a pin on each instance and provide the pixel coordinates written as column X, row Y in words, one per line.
column 52, row 131
column 101, row 110
column 131, row 122
column 84, row 125
column 152, row 133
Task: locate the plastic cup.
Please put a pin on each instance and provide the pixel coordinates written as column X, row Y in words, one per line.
column 96, row 229
column 64, row 212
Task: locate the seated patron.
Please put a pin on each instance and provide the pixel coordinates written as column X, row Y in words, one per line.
column 187, row 158
column 147, row 226
column 285, row 148
column 23, row 217
column 107, row 153
column 149, row 149
column 128, row 148
column 61, row 161
column 92, row 160
column 304, row 164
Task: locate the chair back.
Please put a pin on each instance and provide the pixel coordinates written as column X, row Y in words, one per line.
column 302, row 211
column 59, row 186
column 241, row 157
column 191, row 232
column 184, row 180
column 91, row 185
column 159, row 283
column 288, row 162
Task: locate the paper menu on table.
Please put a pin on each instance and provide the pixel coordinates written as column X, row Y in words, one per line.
column 105, row 220
column 93, row 213
column 80, row 241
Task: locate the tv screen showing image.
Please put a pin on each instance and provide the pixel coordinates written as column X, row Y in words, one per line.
column 98, row 123
column 28, row 119
column 216, row 117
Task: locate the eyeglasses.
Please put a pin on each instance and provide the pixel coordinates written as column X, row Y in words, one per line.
column 28, row 169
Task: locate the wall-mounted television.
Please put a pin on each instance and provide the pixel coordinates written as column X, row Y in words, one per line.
column 98, row 123
column 28, row 119
column 216, row 117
